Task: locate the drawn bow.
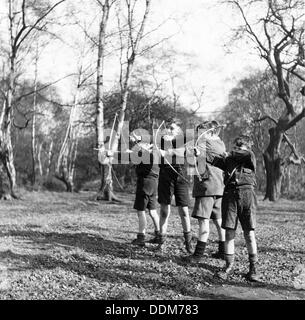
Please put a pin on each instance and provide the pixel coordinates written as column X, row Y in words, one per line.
column 197, row 147
column 167, row 162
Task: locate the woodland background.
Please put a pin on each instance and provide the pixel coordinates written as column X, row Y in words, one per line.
column 58, row 239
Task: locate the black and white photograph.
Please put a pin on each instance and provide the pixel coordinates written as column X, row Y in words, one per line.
column 152, row 153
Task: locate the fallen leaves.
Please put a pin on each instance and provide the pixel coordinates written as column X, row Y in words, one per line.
column 54, row 246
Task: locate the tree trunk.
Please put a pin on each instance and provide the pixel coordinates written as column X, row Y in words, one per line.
column 64, row 174
column 39, row 150
column 49, row 158
column 273, row 166
column 6, row 148
column 67, row 155
column 106, row 189
column 33, row 150
column 6, row 151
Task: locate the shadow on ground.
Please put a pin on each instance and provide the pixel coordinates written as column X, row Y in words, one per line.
column 120, row 263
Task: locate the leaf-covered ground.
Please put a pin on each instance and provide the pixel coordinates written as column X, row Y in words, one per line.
column 65, row 246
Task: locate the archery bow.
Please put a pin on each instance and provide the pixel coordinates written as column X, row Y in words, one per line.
column 196, row 147
column 155, row 143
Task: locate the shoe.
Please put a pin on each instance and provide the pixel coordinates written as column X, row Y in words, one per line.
column 252, row 274
column 189, row 246
column 253, row 277
column 188, row 242
column 139, row 241
column 156, row 239
column 220, row 254
column 224, row 274
column 161, row 239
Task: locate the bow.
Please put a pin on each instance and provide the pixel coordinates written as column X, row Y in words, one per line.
column 155, row 143
column 142, row 145
column 197, row 147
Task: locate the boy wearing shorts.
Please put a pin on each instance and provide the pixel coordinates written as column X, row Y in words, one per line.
column 208, row 190
column 173, row 182
column 238, row 202
column 146, row 194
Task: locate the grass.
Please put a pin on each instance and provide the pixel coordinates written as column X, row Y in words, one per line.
column 65, row 246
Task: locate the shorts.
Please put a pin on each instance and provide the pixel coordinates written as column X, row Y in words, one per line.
column 207, row 207
column 239, row 205
column 173, row 185
column 146, row 194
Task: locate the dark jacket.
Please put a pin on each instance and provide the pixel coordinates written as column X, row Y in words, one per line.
column 239, row 168
column 150, row 169
column 178, row 163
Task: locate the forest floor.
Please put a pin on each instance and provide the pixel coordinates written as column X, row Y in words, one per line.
column 66, row 246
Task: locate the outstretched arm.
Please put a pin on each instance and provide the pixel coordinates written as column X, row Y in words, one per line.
column 218, row 161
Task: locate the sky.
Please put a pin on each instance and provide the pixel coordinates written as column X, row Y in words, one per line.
column 199, row 28
column 206, row 28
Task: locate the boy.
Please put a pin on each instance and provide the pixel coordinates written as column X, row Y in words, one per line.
column 208, row 190
column 173, row 181
column 146, row 190
column 238, row 202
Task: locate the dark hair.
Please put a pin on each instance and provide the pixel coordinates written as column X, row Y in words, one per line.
column 206, row 125
column 243, row 141
column 177, row 121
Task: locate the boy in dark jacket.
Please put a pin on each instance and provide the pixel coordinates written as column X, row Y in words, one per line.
column 238, row 202
column 146, row 191
column 173, row 182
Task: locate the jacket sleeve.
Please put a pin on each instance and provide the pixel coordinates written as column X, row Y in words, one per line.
column 253, row 160
column 218, row 161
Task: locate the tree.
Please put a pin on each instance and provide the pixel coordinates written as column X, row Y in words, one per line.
column 253, row 96
column 130, row 35
column 24, row 21
column 278, row 36
column 65, row 168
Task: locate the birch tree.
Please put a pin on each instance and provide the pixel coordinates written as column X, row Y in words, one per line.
column 24, row 21
column 65, row 168
column 131, row 33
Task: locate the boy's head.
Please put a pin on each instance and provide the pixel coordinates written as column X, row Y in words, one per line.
column 243, row 141
column 213, row 127
column 174, row 126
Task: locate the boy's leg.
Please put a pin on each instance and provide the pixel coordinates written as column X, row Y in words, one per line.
column 164, row 216
column 221, row 242
column 229, row 254
column 249, row 236
column 248, row 222
column 140, row 240
column 165, row 193
column 186, row 226
column 156, row 221
column 203, row 235
column 217, row 220
column 155, row 218
column 185, row 218
column 181, row 192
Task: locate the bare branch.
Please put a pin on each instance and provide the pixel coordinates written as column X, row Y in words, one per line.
column 249, row 28
column 297, row 159
column 31, row 28
column 266, row 117
column 43, row 87
column 295, row 120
